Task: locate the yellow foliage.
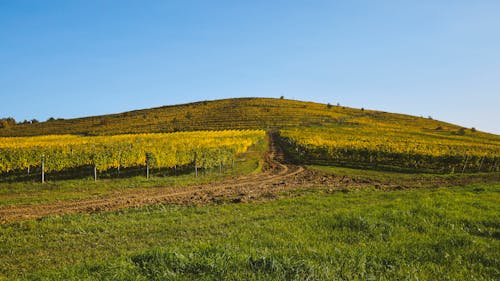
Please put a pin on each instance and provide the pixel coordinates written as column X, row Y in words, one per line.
column 105, row 152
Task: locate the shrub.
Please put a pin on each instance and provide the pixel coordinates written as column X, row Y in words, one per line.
column 7, row 122
column 461, row 132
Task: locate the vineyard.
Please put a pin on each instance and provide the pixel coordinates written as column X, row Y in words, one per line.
column 311, row 133
column 228, row 114
column 57, row 153
column 391, row 148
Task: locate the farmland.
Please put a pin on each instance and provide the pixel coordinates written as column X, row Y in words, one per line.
column 253, row 189
column 207, row 149
column 249, row 140
column 236, row 114
column 391, row 148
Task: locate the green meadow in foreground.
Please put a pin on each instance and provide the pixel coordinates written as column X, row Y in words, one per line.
column 317, row 234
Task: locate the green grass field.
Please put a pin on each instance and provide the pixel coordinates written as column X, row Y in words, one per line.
column 412, row 180
column 420, row 234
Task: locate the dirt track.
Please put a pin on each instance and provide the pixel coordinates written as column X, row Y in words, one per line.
column 276, row 178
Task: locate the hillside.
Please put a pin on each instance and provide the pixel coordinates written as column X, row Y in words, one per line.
column 240, row 113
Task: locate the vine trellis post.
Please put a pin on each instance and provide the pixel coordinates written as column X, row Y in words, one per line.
column 195, row 164
column 147, row 165
column 465, row 163
column 43, row 168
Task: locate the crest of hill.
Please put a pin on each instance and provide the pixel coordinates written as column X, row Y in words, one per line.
column 237, row 113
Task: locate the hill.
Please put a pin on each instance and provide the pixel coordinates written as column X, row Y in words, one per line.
column 239, row 113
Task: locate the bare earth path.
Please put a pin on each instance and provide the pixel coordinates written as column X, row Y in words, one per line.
column 276, row 178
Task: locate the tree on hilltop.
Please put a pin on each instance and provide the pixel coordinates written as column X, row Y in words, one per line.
column 7, row 122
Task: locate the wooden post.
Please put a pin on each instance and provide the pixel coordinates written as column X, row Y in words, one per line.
column 195, row 164
column 43, row 168
column 95, row 173
column 480, row 164
column 147, row 165
column 220, row 167
column 28, row 170
column 465, row 164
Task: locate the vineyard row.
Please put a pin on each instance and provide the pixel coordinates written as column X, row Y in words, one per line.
column 204, row 149
column 357, row 155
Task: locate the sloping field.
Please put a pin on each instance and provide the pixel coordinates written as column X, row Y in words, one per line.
column 240, row 113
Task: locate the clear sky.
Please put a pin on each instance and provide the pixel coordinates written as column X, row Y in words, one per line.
column 77, row 58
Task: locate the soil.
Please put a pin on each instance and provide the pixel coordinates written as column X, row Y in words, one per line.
column 276, row 178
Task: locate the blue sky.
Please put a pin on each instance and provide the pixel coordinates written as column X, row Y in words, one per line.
column 79, row 58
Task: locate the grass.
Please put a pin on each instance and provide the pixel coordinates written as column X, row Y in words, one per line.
column 419, row 234
column 31, row 192
column 390, row 176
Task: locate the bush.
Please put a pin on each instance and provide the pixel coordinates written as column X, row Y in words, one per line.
column 7, row 122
